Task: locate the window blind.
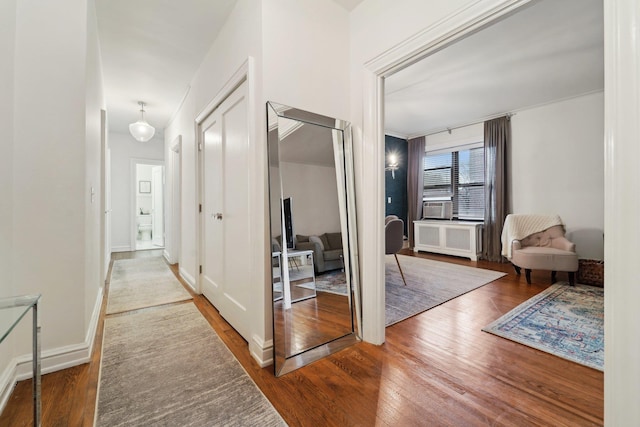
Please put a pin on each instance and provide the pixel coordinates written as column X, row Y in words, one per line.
column 457, row 176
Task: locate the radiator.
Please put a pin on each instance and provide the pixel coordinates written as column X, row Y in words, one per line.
column 459, row 238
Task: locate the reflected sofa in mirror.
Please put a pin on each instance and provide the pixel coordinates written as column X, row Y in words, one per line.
column 315, row 287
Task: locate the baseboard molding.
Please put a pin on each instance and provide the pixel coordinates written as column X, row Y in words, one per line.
column 261, row 351
column 21, row 368
column 7, row 383
column 191, row 281
column 126, row 248
column 167, row 256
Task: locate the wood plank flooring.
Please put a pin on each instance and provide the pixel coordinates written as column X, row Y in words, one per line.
column 437, row 368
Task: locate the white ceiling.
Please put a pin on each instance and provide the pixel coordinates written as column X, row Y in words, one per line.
column 549, row 51
column 349, row 4
column 150, row 51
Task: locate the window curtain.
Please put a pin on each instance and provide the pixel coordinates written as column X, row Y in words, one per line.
column 497, row 137
column 415, row 184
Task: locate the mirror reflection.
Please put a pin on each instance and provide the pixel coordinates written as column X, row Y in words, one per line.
column 312, row 225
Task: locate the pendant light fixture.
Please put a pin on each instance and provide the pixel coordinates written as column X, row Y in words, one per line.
column 141, row 130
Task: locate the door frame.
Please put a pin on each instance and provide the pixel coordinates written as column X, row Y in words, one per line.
column 433, row 38
column 260, row 323
column 240, row 76
column 173, row 250
column 134, row 161
column 105, row 202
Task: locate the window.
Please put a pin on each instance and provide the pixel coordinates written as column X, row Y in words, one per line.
column 457, row 176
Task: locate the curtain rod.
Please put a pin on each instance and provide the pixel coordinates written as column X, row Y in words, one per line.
column 458, row 126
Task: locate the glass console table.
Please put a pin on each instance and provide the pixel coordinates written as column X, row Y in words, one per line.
column 12, row 310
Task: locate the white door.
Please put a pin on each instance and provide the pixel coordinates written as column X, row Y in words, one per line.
column 225, row 210
column 157, row 205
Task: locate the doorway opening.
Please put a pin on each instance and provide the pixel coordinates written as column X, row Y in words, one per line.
column 148, row 205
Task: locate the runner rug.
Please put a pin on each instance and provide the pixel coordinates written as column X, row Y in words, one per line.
column 143, row 282
column 165, row 366
column 566, row 321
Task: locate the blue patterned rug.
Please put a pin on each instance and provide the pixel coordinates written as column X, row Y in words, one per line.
column 566, row 321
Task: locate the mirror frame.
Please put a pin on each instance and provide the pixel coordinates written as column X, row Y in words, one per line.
column 348, row 224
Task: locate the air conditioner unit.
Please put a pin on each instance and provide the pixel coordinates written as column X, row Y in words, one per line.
column 437, row 210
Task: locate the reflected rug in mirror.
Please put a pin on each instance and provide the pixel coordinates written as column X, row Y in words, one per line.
column 429, row 284
column 332, row 282
column 566, row 321
column 165, row 366
column 143, row 282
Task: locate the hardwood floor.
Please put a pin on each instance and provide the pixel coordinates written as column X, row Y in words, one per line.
column 437, row 368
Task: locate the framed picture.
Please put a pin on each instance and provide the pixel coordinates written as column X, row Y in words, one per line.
column 144, row 186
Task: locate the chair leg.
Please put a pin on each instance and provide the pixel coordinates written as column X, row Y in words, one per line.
column 572, row 278
column 553, row 277
column 527, row 273
column 400, row 268
column 517, row 269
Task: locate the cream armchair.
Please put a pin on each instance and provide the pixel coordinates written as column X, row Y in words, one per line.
column 548, row 249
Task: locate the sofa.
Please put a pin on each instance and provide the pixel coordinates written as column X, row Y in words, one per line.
column 327, row 250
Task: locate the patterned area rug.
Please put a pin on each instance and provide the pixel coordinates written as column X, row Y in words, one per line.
column 165, row 366
column 143, row 282
column 566, row 321
column 332, row 282
column 429, row 283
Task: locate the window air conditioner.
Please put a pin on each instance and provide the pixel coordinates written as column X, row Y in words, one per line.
column 437, row 210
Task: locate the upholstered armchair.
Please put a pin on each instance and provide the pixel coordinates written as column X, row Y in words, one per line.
column 545, row 249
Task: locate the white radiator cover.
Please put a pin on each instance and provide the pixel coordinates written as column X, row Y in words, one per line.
column 459, row 238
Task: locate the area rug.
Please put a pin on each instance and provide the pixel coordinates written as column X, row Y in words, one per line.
column 566, row 321
column 165, row 366
column 332, row 282
column 143, row 282
column 429, row 284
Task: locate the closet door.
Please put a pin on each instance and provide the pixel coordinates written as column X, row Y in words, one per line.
column 224, row 257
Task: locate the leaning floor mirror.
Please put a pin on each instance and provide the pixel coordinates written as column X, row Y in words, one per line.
column 313, row 253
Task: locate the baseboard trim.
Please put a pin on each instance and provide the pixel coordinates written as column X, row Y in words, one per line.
column 126, row 248
column 167, row 256
column 191, row 281
column 21, row 368
column 261, row 351
column 7, row 383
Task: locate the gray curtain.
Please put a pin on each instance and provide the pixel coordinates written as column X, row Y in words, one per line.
column 415, row 184
column 497, row 137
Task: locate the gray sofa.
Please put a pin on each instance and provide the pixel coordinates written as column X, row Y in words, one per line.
column 327, row 250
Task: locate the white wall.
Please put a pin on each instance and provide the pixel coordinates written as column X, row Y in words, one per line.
column 557, row 167
column 302, row 41
column 7, row 44
column 123, row 149
column 94, row 215
column 314, row 193
column 238, row 39
column 375, row 27
column 48, row 159
column 51, row 60
column 306, row 52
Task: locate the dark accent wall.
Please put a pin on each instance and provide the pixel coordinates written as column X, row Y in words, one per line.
column 396, row 188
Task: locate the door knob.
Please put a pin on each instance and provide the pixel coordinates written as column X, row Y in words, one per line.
column 217, row 216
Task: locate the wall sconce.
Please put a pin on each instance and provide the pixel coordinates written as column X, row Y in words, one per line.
column 392, row 164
